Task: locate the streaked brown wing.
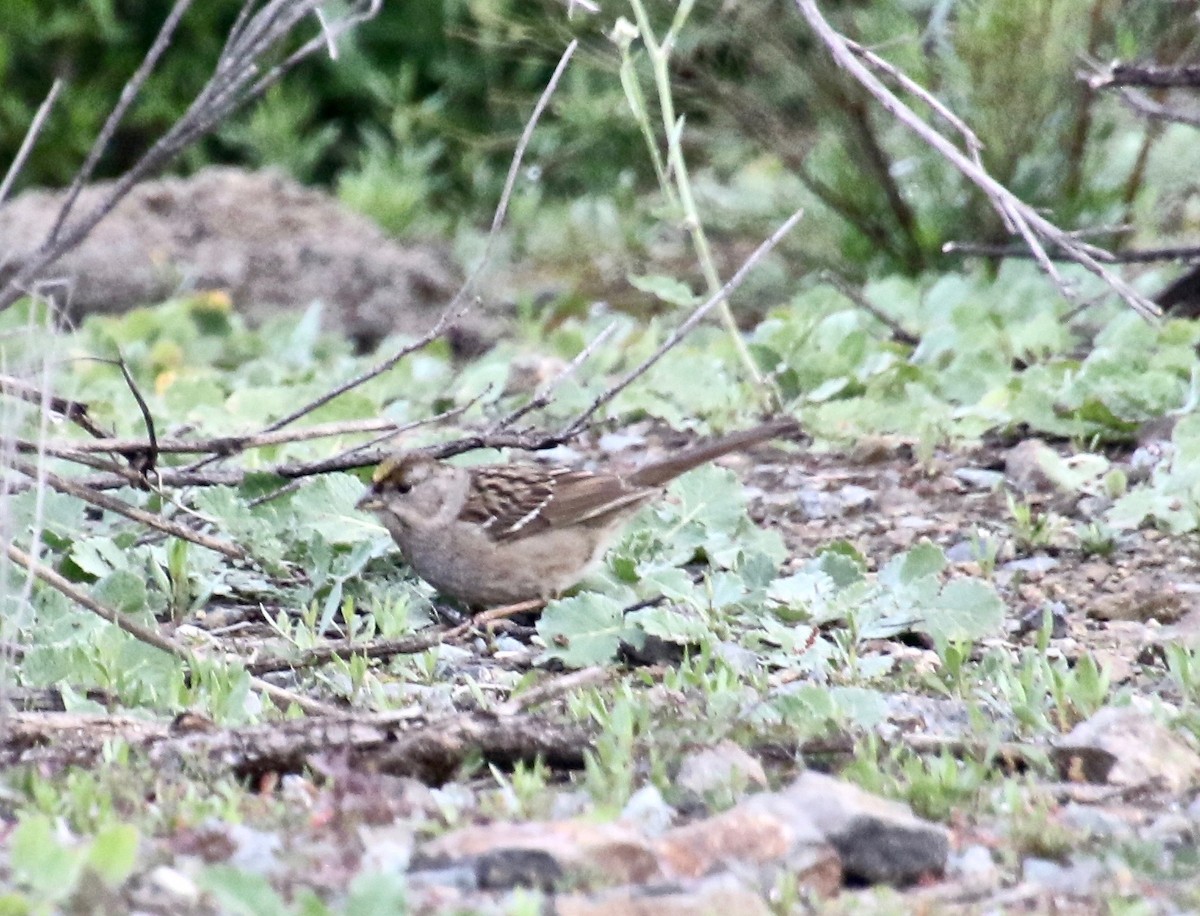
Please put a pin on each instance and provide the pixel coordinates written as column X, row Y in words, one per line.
column 512, row 501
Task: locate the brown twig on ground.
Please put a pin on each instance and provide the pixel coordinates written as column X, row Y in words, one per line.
column 148, row 635
column 553, row 689
column 375, row 649
column 1022, row 219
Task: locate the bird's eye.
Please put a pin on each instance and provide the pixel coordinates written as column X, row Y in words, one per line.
column 403, row 488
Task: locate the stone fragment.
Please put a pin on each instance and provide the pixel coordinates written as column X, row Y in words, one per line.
column 1126, row 746
column 596, row 854
column 723, row 767
column 1023, row 467
column 755, row 837
column 724, row 895
column 879, row 841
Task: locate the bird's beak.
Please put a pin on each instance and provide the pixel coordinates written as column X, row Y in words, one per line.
column 369, row 502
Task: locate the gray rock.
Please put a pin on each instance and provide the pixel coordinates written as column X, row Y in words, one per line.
column 979, row 478
column 648, row 810
column 975, row 868
column 1126, row 746
column 1076, row 878
column 879, row 841
column 724, row 767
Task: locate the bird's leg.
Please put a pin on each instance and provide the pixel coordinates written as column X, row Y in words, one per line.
column 489, row 617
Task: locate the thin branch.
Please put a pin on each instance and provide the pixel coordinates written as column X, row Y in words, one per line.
column 1144, row 105
column 31, row 135
column 128, row 94
column 1133, row 256
column 846, row 289
column 452, row 311
column 75, row 411
column 543, row 396
column 1029, row 224
column 232, row 444
column 148, row 635
column 1150, row 76
column 111, row 504
column 686, row 327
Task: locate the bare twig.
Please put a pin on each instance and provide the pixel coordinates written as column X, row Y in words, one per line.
column 542, row 397
column 231, row 444
column 1144, row 105
column 31, row 135
column 452, row 311
column 128, row 95
column 375, row 649
column 112, row 504
column 147, row 635
column 846, row 289
column 1023, row 219
column 75, row 411
column 686, row 327
column 1150, row 76
column 553, row 689
column 1135, row 256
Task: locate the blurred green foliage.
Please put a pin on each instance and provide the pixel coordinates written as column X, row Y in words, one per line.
column 416, row 121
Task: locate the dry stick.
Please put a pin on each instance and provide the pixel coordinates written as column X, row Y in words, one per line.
column 128, row 94
column 31, row 135
column 146, row 634
column 906, row 82
column 1028, row 223
column 1150, row 76
column 375, row 649
column 451, row 312
column 542, row 397
column 112, row 504
column 1132, row 256
column 75, row 411
column 553, row 689
column 842, row 286
column 685, row 328
column 1152, row 109
column 229, row 444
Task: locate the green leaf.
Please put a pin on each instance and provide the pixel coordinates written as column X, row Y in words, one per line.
column 926, row 559
column 242, row 893
column 114, row 853
column 584, row 630
column 965, row 610
column 670, row 625
column 41, row 861
column 667, row 289
column 123, row 591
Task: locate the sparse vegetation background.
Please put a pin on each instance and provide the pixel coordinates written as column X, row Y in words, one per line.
column 971, row 589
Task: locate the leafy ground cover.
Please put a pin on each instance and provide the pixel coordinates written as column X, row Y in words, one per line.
column 988, row 541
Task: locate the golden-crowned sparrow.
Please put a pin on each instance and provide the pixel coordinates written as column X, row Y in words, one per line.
column 503, row 534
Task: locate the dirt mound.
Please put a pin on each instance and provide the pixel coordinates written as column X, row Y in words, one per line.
column 269, row 242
